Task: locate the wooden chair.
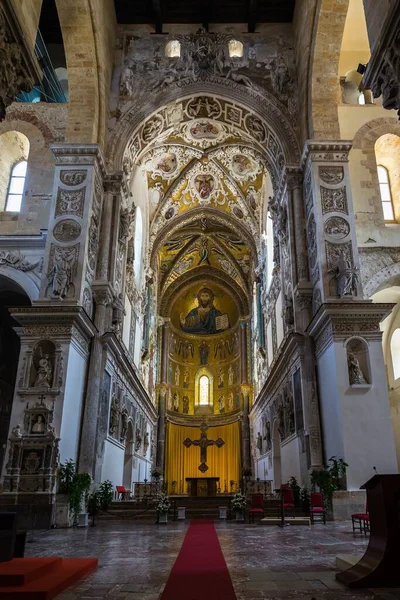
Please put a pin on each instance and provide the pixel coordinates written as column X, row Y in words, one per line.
column 287, row 500
column 257, row 506
column 123, row 493
column 317, row 507
column 362, row 519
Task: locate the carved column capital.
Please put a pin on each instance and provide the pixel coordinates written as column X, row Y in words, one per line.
column 102, row 292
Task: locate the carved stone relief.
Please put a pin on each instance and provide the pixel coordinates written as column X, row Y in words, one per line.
column 72, row 177
column 63, row 264
column 17, row 260
column 331, row 175
column 67, row 230
column 70, row 202
column 337, row 228
column 334, row 200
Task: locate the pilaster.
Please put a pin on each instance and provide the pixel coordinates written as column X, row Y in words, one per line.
column 330, row 227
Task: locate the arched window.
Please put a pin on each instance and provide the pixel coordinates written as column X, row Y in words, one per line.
column 235, row 49
column 395, row 351
column 204, row 391
column 16, row 186
column 173, row 49
column 386, row 195
column 270, row 248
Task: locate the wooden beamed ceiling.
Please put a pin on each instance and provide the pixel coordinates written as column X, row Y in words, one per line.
column 204, row 12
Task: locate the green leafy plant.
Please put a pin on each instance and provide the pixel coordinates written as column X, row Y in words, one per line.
column 105, row 494
column 239, row 502
column 75, row 485
column 305, row 499
column 163, row 505
column 329, row 479
column 93, row 504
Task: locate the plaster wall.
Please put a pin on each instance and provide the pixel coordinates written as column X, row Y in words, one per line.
column 264, row 468
column 28, row 14
column 113, row 463
column 331, row 417
column 269, row 343
column 360, row 417
column 72, row 405
column 290, row 459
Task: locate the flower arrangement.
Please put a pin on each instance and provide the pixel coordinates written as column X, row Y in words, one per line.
column 239, row 502
column 156, row 473
column 163, row 505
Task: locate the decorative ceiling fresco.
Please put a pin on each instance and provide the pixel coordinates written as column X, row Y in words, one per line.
column 206, row 186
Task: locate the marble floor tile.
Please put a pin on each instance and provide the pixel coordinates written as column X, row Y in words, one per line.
column 135, row 560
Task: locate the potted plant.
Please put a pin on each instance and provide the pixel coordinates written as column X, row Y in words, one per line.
column 106, row 494
column 239, row 503
column 75, row 486
column 329, row 480
column 162, row 507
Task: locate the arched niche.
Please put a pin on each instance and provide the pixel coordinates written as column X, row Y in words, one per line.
column 204, row 386
column 358, row 362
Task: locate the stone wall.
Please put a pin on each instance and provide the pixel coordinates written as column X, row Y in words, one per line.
column 28, row 15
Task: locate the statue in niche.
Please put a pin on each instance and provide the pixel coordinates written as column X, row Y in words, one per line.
column 146, row 443
column 259, row 442
column 114, row 416
column 203, row 351
column 124, row 425
column 61, row 274
column 138, row 440
column 205, row 318
column 186, row 378
column 118, row 312
column 177, row 374
column 289, row 410
column 221, row 403
column 231, row 402
column 346, row 276
column 356, row 375
column 273, row 207
column 176, row 402
column 44, row 371
column 125, row 219
column 39, row 426
column 221, row 378
column 185, row 402
column 230, row 375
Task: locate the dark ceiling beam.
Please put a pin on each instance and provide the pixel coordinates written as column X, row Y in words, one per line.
column 206, row 12
column 253, row 11
column 156, row 4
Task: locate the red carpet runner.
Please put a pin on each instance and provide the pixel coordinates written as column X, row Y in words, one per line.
column 200, row 571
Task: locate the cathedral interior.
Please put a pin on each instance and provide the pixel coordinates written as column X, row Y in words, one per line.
column 199, row 245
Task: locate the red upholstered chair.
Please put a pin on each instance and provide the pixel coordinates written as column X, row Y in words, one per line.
column 287, row 499
column 257, row 507
column 362, row 519
column 123, row 493
column 317, row 507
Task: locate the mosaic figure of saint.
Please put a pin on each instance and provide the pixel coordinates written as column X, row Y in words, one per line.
column 201, row 319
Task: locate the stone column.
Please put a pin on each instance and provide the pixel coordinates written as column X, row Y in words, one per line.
column 243, row 351
column 91, row 423
column 73, row 236
column 162, row 395
column 246, row 452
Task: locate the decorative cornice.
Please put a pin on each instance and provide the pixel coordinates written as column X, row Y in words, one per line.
column 339, row 320
column 112, row 343
column 82, row 154
column 23, row 241
column 325, row 151
column 41, row 314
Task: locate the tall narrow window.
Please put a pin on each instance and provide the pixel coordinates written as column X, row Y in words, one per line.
column 204, row 395
column 16, row 187
column 386, row 196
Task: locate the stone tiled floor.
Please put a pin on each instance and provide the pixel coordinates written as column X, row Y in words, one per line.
column 264, row 562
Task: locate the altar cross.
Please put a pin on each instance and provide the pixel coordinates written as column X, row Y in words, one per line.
column 203, row 443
